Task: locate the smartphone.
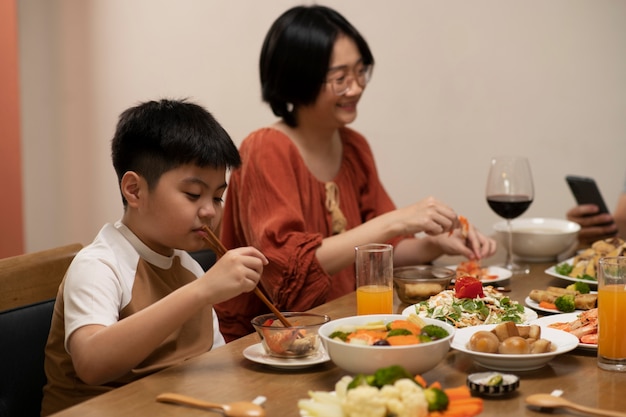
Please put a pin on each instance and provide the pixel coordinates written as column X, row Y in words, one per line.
column 586, row 191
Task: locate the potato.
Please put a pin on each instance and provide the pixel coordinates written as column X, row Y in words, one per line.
column 505, row 330
column 541, row 346
column 484, row 341
column 514, row 345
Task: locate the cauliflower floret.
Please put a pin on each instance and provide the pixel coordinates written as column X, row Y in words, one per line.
column 364, row 401
column 341, row 387
column 405, row 399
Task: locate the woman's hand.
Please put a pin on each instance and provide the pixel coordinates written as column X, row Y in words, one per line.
column 475, row 246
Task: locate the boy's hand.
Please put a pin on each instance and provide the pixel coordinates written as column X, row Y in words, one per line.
column 238, row 271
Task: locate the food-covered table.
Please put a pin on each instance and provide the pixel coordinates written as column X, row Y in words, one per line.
column 225, row 375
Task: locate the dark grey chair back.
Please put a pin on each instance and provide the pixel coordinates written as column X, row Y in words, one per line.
column 23, row 335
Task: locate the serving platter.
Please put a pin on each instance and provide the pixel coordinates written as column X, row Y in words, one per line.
column 256, row 353
column 544, row 322
column 529, row 314
column 570, row 261
column 563, row 341
column 501, row 274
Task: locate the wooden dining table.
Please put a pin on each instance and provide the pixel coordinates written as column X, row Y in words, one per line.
column 225, row 375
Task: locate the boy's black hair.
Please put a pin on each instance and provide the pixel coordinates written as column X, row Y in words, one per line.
column 296, row 54
column 157, row 136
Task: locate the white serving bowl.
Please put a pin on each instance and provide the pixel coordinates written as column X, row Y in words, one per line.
column 367, row 359
column 539, row 239
column 563, row 342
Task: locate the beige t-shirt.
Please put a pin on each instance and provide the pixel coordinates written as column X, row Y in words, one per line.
column 113, row 278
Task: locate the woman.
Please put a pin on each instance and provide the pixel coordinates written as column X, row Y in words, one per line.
column 308, row 190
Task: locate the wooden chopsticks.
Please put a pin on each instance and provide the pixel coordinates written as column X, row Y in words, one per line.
column 218, row 247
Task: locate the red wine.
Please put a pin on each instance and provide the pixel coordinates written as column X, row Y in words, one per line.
column 509, row 206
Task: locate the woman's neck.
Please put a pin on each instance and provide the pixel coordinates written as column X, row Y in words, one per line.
column 321, row 149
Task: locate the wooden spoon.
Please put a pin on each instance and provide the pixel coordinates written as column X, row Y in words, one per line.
column 236, row 409
column 550, row 401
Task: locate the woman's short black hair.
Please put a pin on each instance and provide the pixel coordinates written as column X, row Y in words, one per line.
column 296, row 54
column 157, row 136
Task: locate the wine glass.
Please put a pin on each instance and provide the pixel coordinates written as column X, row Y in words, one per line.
column 509, row 194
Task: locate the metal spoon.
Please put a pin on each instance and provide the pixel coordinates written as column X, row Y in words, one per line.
column 236, row 409
column 550, row 401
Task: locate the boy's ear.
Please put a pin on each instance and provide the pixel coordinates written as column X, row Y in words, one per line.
column 132, row 187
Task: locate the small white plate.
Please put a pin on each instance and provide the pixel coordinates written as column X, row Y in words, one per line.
column 552, row 271
column 257, row 354
column 563, row 318
column 563, row 341
column 535, row 306
column 502, row 274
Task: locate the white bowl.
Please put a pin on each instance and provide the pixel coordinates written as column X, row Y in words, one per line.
column 539, row 239
column 367, row 359
column 563, row 341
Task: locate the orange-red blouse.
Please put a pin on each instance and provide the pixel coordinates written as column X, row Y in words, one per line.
column 276, row 205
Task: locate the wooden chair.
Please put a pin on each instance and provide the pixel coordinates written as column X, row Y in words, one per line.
column 34, row 277
column 28, row 287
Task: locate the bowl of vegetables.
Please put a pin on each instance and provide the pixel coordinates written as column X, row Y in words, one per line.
column 363, row 344
column 299, row 341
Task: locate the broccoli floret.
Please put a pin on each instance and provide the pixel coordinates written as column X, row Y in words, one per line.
column 361, row 379
column 564, row 268
column 389, row 375
column 339, row 335
column 436, row 398
column 565, row 303
column 434, row 332
column 399, row 332
column 581, row 287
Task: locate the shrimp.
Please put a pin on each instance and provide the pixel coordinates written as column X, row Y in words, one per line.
column 464, row 227
column 585, row 327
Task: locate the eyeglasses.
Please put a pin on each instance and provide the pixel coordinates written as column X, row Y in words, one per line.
column 341, row 80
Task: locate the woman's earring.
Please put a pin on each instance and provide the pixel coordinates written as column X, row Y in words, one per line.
column 289, row 107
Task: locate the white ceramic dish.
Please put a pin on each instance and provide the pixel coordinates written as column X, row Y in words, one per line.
column 356, row 358
column 529, row 313
column 563, row 318
column 501, row 273
column 539, row 239
column 563, row 341
column 257, row 354
column 552, row 271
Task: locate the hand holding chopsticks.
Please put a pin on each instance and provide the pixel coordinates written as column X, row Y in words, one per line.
column 218, row 247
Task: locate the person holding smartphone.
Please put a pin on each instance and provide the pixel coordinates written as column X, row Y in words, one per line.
column 597, row 224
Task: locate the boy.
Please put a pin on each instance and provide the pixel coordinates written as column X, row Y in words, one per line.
column 133, row 301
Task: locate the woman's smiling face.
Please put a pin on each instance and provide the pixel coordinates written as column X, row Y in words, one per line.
column 332, row 110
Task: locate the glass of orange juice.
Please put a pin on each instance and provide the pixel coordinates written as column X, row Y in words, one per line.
column 612, row 313
column 374, row 279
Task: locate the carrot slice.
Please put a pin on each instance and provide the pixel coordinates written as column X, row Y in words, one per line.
column 404, row 339
column 405, row 324
column 547, row 305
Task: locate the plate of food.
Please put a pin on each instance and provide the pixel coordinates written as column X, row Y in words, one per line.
column 565, row 270
column 256, row 353
column 575, row 297
column 582, row 267
column 493, row 308
column 499, row 348
column 583, row 325
column 487, row 275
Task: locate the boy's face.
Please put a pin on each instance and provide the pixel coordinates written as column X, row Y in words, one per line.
column 173, row 213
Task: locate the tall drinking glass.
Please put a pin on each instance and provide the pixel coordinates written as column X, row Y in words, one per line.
column 509, row 193
column 611, row 313
column 374, row 279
